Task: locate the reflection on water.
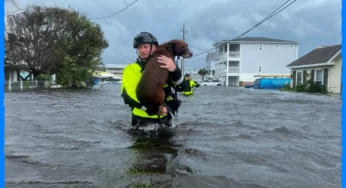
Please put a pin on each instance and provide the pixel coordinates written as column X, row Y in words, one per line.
column 152, row 153
column 224, row 137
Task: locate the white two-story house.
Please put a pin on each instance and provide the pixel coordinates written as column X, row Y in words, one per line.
column 240, row 60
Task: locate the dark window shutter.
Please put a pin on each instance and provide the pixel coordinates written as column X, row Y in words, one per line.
column 304, row 76
column 325, row 77
column 294, row 78
column 313, row 75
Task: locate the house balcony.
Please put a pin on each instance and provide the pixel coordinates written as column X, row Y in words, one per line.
column 233, row 70
column 231, row 55
column 223, row 71
column 234, row 54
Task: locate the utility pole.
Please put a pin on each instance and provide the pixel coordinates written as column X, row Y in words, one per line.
column 182, row 60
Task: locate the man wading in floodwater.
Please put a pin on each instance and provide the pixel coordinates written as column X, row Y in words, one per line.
column 145, row 44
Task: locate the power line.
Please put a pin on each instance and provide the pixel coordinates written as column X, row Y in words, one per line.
column 126, row 6
column 200, row 10
column 194, row 12
column 197, row 60
column 214, row 55
column 225, row 7
column 195, row 20
column 223, row 10
column 121, row 55
column 276, row 11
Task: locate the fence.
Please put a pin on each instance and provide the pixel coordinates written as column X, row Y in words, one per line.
column 21, row 85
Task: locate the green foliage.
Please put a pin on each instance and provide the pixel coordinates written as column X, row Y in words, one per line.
column 139, row 185
column 26, row 84
column 43, row 77
column 57, row 41
column 309, row 86
column 286, row 87
column 202, row 72
column 72, row 74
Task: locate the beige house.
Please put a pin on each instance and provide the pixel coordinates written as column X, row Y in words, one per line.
column 322, row 65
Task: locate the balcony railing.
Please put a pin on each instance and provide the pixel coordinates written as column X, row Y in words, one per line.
column 231, row 54
column 233, row 69
column 234, row 54
column 230, row 70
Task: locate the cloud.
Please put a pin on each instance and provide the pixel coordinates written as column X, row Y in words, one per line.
column 310, row 22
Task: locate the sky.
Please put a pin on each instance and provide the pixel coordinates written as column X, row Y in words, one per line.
column 309, row 22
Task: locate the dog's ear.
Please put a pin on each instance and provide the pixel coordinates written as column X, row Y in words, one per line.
column 171, row 46
column 180, row 48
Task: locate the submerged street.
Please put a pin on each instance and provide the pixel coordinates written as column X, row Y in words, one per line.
column 224, row 137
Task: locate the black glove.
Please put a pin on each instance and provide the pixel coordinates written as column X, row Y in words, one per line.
column 173, row 105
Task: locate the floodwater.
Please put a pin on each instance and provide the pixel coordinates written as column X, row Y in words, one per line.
column 224, row 137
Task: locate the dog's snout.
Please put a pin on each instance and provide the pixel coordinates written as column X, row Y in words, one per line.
column 191, row 54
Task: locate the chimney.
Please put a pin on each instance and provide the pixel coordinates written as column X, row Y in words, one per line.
column 321, row 46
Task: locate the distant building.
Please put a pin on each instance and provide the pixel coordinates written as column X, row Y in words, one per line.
column 241, row 59
column 116, row 69
column 190, row 70
column 211, row 61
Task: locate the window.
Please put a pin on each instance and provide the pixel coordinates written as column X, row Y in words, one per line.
column 260, row 47
column 319, row 77
column 299, row 78
column 259, row 68
column 277, row 46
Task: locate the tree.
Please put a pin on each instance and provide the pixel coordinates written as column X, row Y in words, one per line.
column 53, row 40
column 202, row 72
column 101, row 68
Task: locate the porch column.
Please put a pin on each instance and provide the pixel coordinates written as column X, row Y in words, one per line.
column 227, row 57
column 211, row 71
column 240, row 59
column 15, row 76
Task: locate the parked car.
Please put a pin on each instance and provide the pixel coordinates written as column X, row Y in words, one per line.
column 211, row 83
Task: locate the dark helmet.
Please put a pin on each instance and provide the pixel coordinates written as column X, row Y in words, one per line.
column 187, row 74
column 144, row 37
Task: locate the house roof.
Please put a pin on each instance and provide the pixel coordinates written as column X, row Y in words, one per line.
column 115, row 66
column 256, row 40
column 317, row 56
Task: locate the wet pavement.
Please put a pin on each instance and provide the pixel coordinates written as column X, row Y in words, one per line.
column 224, row 137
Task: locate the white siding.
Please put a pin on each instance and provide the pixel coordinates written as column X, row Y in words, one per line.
column 272, row 59
column 334, row 80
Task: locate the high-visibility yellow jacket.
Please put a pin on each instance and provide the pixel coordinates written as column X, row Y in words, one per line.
column 131, row 76
column 190, row 85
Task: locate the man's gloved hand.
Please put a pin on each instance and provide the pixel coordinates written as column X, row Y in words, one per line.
column 173, row 105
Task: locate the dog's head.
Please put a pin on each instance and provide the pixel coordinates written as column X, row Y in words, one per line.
column 180, row 48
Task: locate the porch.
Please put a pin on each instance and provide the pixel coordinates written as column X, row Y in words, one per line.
column 229, row 52
column 221, row 69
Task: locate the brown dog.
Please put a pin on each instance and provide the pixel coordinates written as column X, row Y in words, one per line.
column 149, row 90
